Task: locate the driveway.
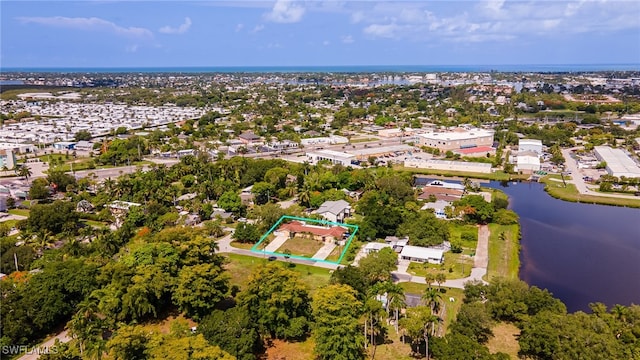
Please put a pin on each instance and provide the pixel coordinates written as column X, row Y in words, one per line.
column 324, row 251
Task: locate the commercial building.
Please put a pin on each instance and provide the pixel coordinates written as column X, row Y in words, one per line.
column 447, row 165
column 329, row 140
column 530, row 145
column 335, row 157
column 528, row 161
column 458, row 138
column 8, row 159
column 422, row 254
column 618, row 162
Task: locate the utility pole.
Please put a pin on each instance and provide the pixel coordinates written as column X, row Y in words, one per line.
column 15, row 261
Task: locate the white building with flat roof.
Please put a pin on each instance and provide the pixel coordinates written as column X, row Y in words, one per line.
column 528, row 161
column 618, row 162
column 422, row 254
column 445, row 165
column 458, row 138
column 335, row 157
column 530, row 145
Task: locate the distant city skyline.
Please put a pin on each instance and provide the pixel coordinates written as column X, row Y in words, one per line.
column 316, row 33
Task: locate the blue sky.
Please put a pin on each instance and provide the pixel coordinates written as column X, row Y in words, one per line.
column 317, row 33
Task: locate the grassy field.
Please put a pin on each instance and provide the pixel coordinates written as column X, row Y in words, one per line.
column 498, row 175
column 301, row 246
column 21, row 212
column 456, row 230
column 95, row 224
column 391, row 349
column 239, row 245
column 335, row 254
column 241, row 266
column 570, row 193
column 505, row 340
column 504, row 259
column 455, row 266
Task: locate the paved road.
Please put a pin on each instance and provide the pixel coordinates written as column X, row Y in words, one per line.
column 47, row 346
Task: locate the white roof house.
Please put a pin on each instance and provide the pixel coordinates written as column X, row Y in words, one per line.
column 422, row 254
column 375, row 247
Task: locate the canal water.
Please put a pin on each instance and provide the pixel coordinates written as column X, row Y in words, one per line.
column 582, row 253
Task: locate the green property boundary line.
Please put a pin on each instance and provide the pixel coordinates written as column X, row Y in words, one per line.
column 323, row 222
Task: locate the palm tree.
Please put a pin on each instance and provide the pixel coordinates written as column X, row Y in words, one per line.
column 440, row 278
column 429, row 278
column 305, row 196
column 433, row 299
column 24, row 171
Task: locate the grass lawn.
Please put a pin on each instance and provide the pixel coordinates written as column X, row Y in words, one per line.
column 240, row 245
column 9, row 223
column 570, row 193
column 391, row 349
column 459, row 264
column 505, row 339
column 498, row 175
column 456, row 230
column 22, row 212
column 95, row 224
column 335, row 254
column 504, row 259
column 241, row 266
column 301, row 246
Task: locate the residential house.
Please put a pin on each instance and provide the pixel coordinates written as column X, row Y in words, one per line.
column 334, row 211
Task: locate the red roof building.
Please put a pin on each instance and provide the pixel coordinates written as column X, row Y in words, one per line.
column 319, row 232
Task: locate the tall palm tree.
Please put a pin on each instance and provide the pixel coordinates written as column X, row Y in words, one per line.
column 24, row 171
column 433, row 299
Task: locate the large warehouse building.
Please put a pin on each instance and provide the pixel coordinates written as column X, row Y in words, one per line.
column 530, row 145
column 618, row 162
column 457, row 139
column 448, row 165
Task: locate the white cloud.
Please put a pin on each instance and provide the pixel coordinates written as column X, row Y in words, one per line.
column 257, row 29
column 494, row 20
column 239, row 27
column 326, row 43
column 131, row 48
column 88, row 24
column 347, row 39
column 285, row 11
column 183, row 28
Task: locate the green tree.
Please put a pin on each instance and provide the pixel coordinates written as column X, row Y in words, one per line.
column 336, row 309
column 277, row 301
column 246, row 233
column 474, row 321
column 57, row 217
column 424, row 229
column 184, row 347
column 230, row 201
column 39, row 189
column 129, row 343
column 377, row 266
column 263, row 192
column 82, row 135
column 232, row 330
column 200, row 288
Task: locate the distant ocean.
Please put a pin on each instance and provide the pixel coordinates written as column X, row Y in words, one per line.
column 336, row 69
